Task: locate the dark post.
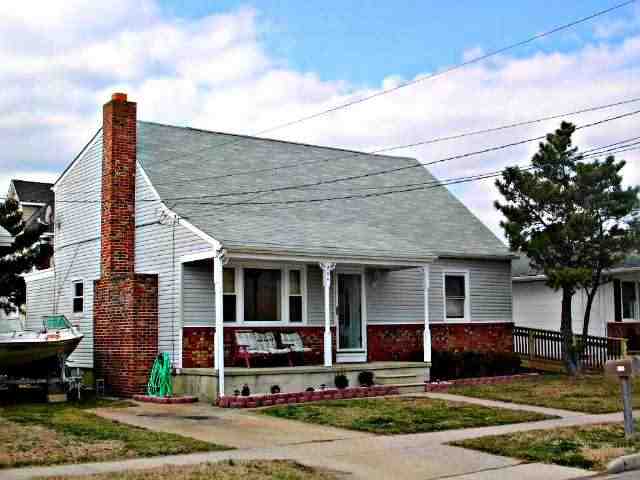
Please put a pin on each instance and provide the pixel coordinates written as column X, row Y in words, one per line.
column 628, row 407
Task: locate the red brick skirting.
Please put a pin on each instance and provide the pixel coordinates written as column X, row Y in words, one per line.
column 478, row 337
column 445, row 386
column 165, row 400
column 304, row 397
column 384, row 342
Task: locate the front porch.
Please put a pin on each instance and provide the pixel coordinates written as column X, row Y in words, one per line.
column 203, row 382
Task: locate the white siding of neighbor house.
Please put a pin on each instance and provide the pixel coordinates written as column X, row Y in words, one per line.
column 537, row 306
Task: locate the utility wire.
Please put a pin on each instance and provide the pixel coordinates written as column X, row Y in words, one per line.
column 431, row 76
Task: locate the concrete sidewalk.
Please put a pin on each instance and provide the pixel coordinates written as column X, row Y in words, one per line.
column 359, row 455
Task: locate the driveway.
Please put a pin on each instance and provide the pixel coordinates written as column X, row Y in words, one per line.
column 357, row 455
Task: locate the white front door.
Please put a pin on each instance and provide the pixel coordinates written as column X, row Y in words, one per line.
column 351, row 328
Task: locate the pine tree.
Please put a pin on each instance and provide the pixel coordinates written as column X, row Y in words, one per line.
column 573, row 220
column 27, row 251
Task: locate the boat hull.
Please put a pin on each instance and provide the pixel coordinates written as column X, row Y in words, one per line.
column 20, row 357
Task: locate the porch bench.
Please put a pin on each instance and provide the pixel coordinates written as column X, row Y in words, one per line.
column 293, row 342
column 251, row 344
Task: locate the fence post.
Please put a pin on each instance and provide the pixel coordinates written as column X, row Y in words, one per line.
column 623, row 347
column 532, row 344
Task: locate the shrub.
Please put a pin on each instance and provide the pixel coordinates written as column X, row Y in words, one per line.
column 447, row 365
column 246, row 391
column 341, row 381
column 275, row 389
column 365, row 378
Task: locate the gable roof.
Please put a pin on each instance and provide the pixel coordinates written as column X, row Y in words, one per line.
column 418, row 224
column 522, row 270
column 33, row 192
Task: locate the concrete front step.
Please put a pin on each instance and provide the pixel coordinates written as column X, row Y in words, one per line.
column 399, row 378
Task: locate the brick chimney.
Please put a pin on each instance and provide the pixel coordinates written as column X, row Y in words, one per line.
column 125, row 303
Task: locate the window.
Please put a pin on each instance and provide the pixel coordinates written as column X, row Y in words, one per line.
column 78, row 297
column 455, row 292
column 229, row 295
column 295, row 296
column 262, row 295
column 629, row 299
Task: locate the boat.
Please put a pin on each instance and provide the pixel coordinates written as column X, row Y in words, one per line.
column 23, row 352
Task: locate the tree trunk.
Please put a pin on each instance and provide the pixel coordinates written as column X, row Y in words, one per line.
column 591, row 295
column 566, row 329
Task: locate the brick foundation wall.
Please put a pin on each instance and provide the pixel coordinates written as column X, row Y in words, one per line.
column 479, row 337
column 628, row 330
column 198, row 346
column 125, row 331
column 395, row 343
column 384, row 342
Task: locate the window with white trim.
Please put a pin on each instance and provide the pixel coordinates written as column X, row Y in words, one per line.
column 295, row 296
column 456, row 291
column 229, row 295
column 629, row 299
column 77, row 297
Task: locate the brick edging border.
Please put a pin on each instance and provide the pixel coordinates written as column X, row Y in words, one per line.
column 445, row 386
column 165, row 400
column 304, row 397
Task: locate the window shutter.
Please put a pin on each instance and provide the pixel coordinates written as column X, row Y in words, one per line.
column 617, row 301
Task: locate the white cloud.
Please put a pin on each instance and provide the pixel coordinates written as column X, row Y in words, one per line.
column 61, row 63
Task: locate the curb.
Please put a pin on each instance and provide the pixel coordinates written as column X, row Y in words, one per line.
column 165, row 400
column 624, row 464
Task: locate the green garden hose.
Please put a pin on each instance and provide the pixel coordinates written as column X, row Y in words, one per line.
column 160, row 379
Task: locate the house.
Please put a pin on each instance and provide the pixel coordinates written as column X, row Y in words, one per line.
column 172, row 239
column 36, row 199
column 615, row 311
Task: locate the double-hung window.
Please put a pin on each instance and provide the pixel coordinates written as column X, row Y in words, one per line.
column 229, row 295
column 456, row 296
column 78, row 297
column 295, row 296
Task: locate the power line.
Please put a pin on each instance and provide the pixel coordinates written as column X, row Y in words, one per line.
column 370, row 174
column 440, row 73
column 407, row 145
column 398, row 147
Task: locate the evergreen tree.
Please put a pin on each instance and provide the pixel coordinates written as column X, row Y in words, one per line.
column 573, row 220
column 26, row 252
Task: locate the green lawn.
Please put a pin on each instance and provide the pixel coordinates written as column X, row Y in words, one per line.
column 590, row 447
column 400, row 415
column 587, row 393
column 229, row 470
column 47, row 434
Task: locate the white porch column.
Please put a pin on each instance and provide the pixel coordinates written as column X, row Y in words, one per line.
column 427, row 332
column 327, row 268
column 218, row 262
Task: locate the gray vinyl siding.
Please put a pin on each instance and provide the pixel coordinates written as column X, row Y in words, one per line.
column 37, row 305
column 396, row 296
column 489, row 285
column 76, row 248
column 198, row 296
column 155, row 250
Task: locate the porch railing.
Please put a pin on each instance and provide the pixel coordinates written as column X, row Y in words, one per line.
column 546, row 345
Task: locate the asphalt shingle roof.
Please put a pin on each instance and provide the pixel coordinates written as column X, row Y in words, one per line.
column 33, row 192
column 181, row 162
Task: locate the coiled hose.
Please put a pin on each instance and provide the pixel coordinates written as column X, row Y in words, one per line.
column 160, row 382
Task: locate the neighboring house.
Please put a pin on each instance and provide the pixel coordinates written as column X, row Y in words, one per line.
column 615, row 311
column 37, row 202
column 150, row 258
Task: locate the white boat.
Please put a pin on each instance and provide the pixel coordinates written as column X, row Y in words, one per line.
column 24, row 350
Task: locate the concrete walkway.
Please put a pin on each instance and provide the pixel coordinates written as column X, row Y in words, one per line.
column 359, row 455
